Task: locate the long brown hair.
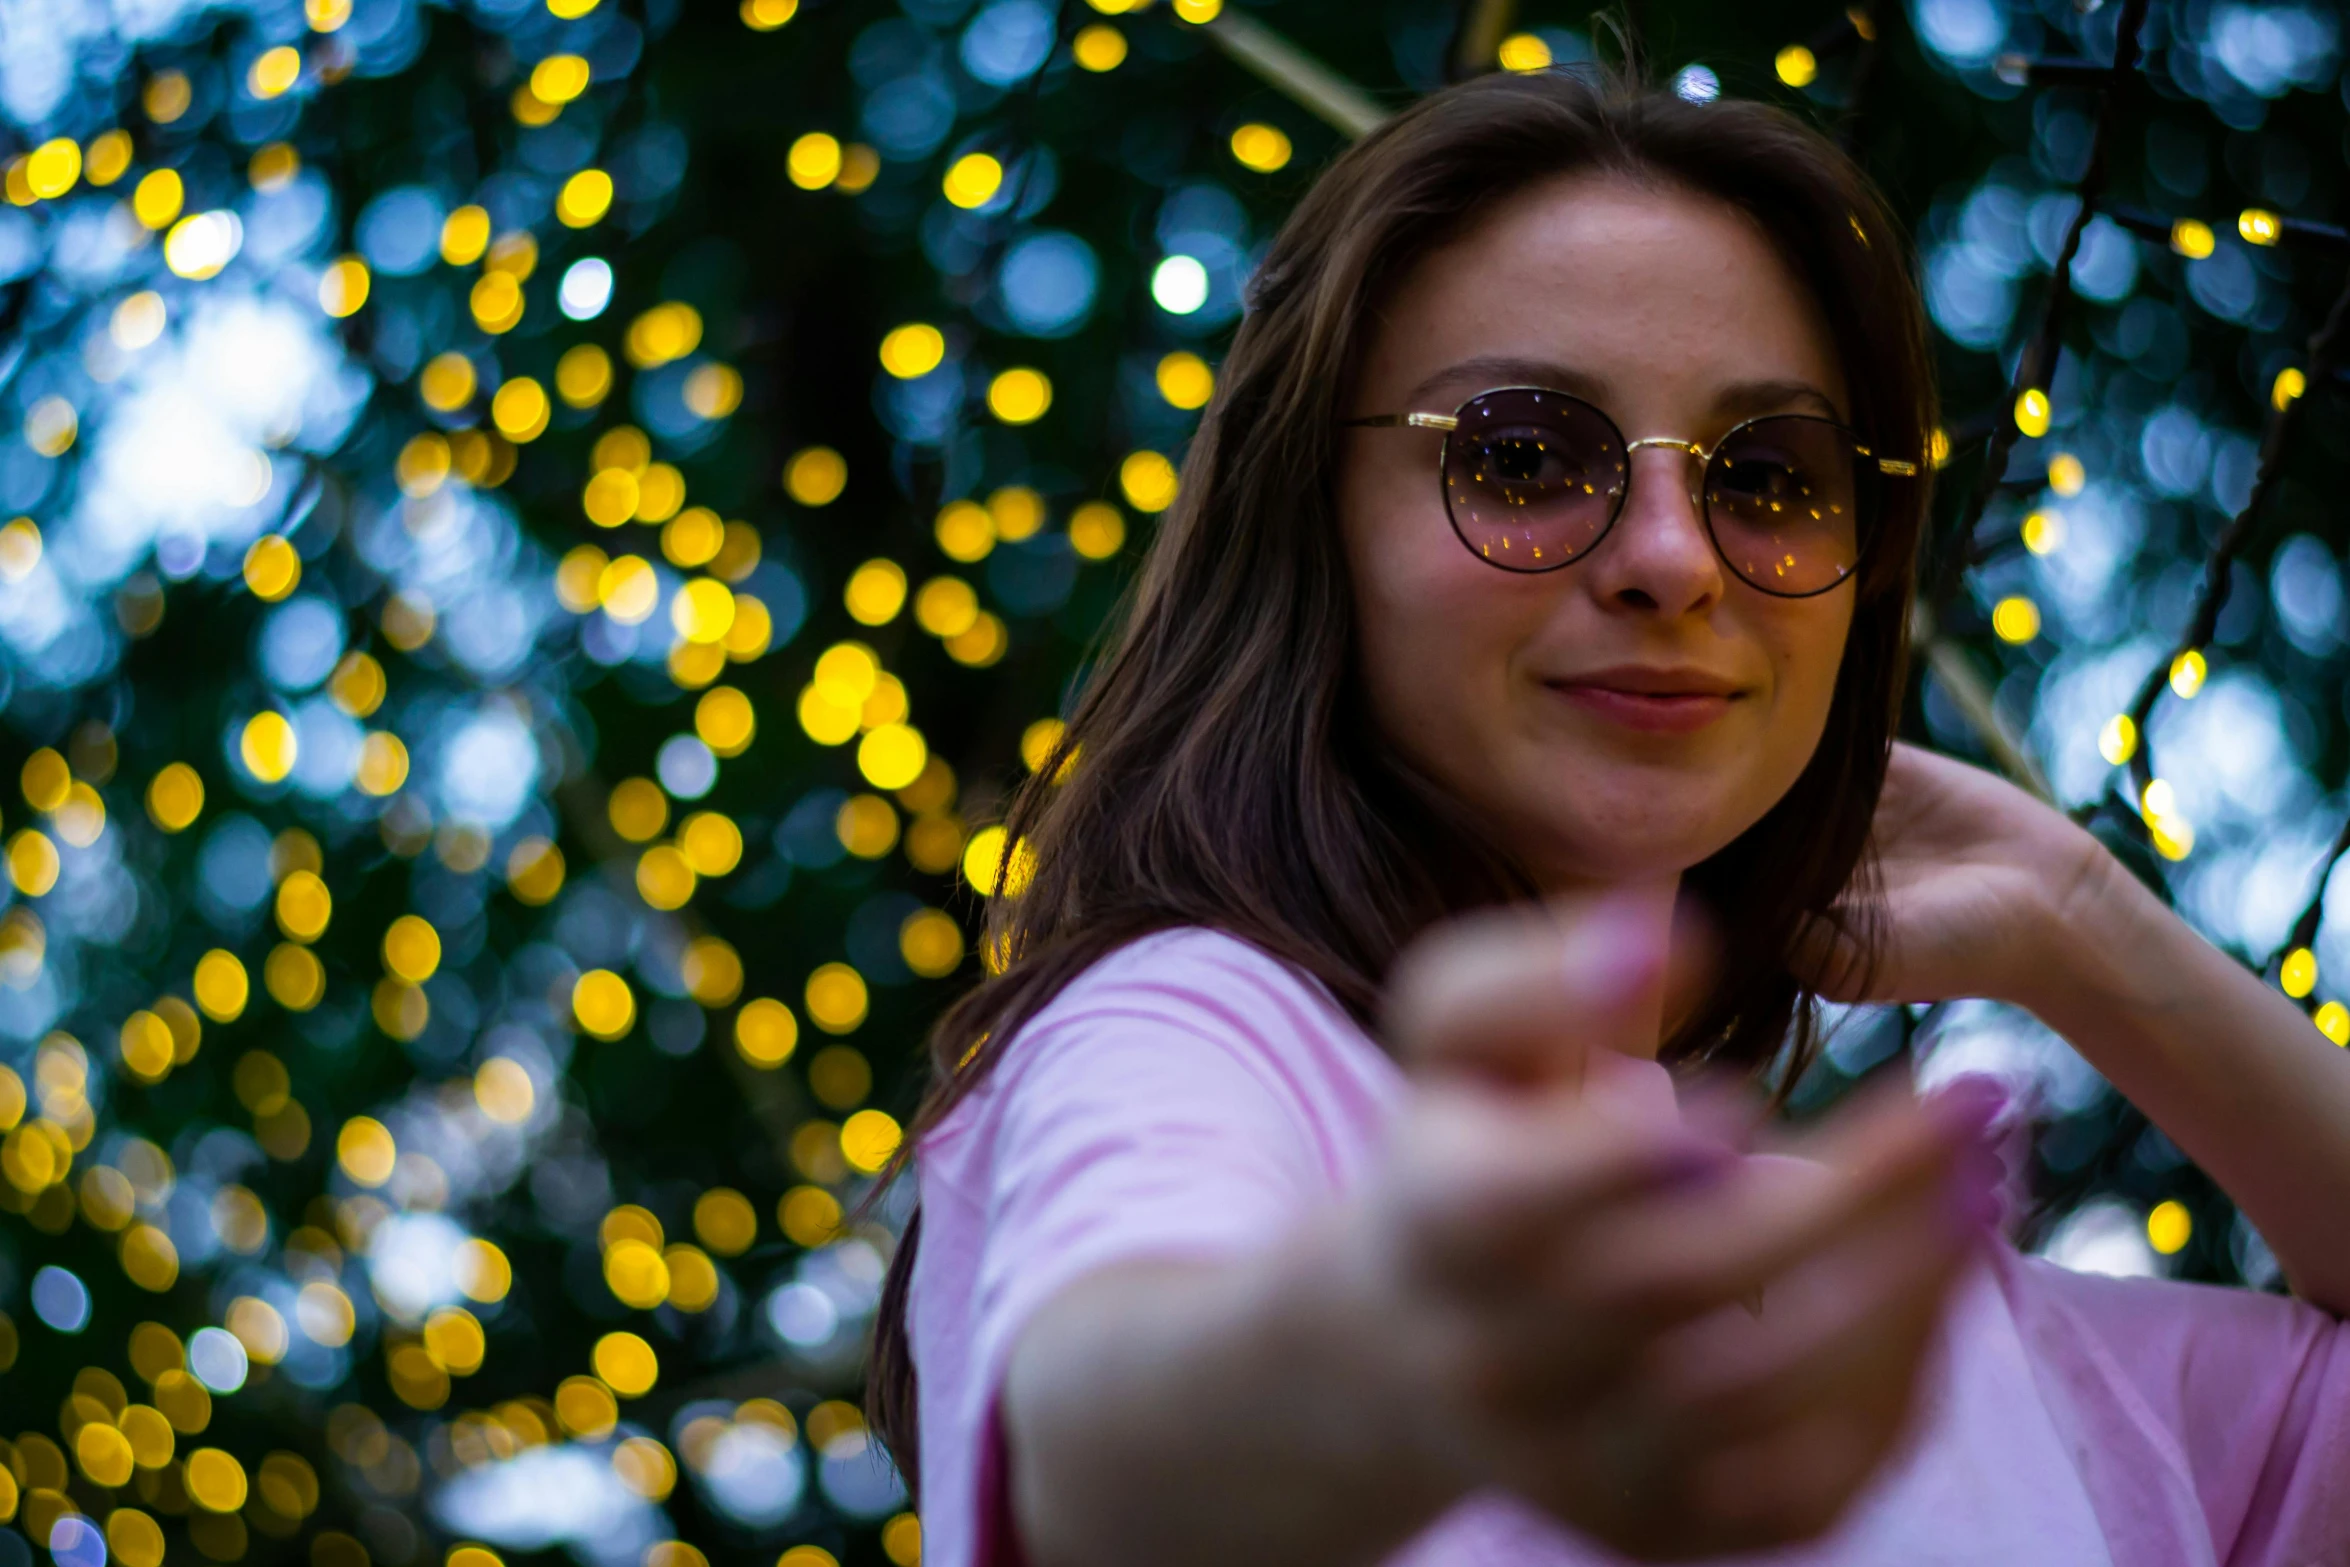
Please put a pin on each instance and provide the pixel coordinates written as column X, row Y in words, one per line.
column 1227, row 774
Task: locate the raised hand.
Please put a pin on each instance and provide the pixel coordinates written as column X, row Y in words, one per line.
column 1972, row 871
column 1566, row 1266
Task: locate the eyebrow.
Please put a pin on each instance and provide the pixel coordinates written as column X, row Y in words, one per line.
column 1733, row 401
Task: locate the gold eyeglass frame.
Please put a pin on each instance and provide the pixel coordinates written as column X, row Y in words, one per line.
column 1446, row 423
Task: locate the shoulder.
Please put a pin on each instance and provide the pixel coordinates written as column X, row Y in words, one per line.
column 1188, row 1024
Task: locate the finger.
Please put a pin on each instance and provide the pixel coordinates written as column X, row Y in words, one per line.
column 1486, row 1184
column 1853, row 1328
column 1870, row 1283
column 1522, row 995
column 1688, row 1252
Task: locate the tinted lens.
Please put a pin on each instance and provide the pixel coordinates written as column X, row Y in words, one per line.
column 1532, row 479
column 1783, row 498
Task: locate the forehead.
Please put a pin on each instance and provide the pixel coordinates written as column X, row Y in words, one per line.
column 1659, row 293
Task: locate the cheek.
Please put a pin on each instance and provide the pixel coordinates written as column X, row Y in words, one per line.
column 1431, row 628
column 1808, row 650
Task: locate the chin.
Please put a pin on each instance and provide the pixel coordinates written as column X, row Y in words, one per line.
column 1636, row 824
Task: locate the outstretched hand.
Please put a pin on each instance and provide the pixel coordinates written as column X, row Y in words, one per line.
column 1972, row 872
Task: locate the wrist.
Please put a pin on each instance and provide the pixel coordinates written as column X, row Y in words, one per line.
column 1341, row 1314
column 2086, row 932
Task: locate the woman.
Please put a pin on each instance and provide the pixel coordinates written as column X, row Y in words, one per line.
column 1550, row 538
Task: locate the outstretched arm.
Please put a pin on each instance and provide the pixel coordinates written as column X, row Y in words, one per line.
column 1993, row 894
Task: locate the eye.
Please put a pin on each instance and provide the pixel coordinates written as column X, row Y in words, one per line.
column 1530, row 457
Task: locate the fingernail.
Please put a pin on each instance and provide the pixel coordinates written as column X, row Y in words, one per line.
column 1609, row 958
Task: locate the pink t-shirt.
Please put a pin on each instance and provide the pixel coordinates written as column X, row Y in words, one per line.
column 1191, row 1095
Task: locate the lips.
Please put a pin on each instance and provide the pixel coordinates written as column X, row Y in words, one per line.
column 1656, row 700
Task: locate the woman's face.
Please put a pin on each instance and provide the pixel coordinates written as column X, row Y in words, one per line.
column 1628, row 715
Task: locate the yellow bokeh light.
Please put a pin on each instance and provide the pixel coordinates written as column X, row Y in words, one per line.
column 814, row 161
column 1796, row 65
column 664, row 877
column 973, row 178
column 2333, row 1021
column 1523, row 52
column 520, row 410
column 465, row 235
column 713, row 391
column 215, row 1480
column 1020, row 395
column 586, row 196
column 412, row 948
column 343, row 287
column 221, row 985
column 809, row 1216
column 2016, row 619
column 167, row 95
column 637, row 809
column 583, row 376
column 892, row 756
column 627, row 1364
column 815, row 476
column 982, row 645
column 2297, row 975
column 2187, row 672
column 534, row 871
column 273, row 166
column 447, row 382
column 2289, row 384
column 2117, row 742
column 702, row 611
column 365, row 1150
column 1185, row 380
column 1261, row 147
column 2169, row 1226
column 2066, row 474
column 868, row 1139
column 1098, row 47
column 294, row 978
column 2032, row 412
column 946, row 606
column 1148, row 480
column 108, row 157
column 267, row 746
column 559, row 78
column 665, row 333
column 2192, row 238
column 496, row 302
column 836, row 998
column 274, row 71
column 138, row 320
column 711, row 842
column 931, row 943
column 2259, row 226
column 33, row 863
column 765, row 16
column 52, row 167
column 965, row 532
column 157, row 198
column 272, row 569
column 725, row 720
column 712, row 970
column 482, row 1272
column 1097, row 531
column 304, row 907
column 603, row 1004
column 628, row 589
column 725, row 1221
column 456, row 1343
column 876, row 592
column 915, row 349
column 866, row 825
column 636, row 1275
column 766, row 1032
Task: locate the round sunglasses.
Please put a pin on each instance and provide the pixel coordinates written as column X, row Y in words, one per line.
column 1534, row 479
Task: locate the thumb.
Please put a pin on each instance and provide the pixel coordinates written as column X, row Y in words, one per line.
column 1527, row 994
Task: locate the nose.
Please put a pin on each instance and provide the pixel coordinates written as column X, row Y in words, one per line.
column 1657, row 560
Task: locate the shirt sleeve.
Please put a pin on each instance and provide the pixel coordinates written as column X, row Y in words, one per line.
column 2241, row 1399
column 1154, row 1110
